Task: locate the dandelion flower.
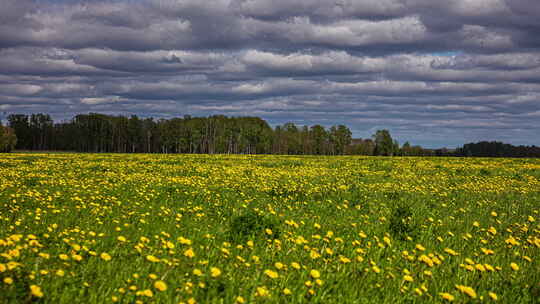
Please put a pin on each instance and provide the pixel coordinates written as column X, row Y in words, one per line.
column 215, row 272
column 36, row 291
column 160, row 285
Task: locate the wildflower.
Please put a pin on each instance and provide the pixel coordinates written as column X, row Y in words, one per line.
column 262, row 292
column 467, row 290
column 514, row 266
column 295, row 265
column 493, row 296
column 160, row 285
column 279, row 265
column 121, row 239
column 152, row 258
column 215, row 272
column 408, row 278
column 287, row 291
column 315, row 274
column 240, row 300
column 189, row 253
column 36, row 291
column 105, row 256
column 447, row 296
column 197, row 272
column 272, row 274
column 8, row 280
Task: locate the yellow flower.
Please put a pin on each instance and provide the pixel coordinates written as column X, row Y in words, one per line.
column 420, row 247
column 450, row 251
column 147, row 293
column 36, row 291
column 287, row 291
column 105, row 256
column 514, row 266
column 77, row 257
column 8, row 280
column 240, row 300
column 272, row 274
column 493, row 296
column 215, row 272
column 315, row 274
column 295, row 265
column 376, row 269
column 467, row 290
column 121, row 239
column 408, row 278
column 160, row 285
column 344, row 260
column 197, row 272
column 189, row 253
column 60, row 273
column 279, row 265
column 63, row 257
column 262, row 292
column 446, row 296
column 268, row 231
column 183, row 241
column 152, row 258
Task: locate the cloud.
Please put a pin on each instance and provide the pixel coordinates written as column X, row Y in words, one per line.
column 434, row 73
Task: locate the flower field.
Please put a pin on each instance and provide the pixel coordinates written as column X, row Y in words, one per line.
column 140, row 228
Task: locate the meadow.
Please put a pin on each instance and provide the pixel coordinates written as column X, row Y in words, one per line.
column 141, row 228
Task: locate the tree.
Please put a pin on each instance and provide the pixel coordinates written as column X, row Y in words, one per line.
column 8, row 139
column 384, row 145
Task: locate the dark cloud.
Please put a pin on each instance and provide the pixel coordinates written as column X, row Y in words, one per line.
column 434, row 73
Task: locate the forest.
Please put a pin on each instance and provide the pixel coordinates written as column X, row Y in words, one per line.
column 101, row 133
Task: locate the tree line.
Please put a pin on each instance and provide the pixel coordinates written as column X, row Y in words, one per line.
column 97, row 133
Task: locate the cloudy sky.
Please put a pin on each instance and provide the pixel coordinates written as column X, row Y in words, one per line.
column 435, row 73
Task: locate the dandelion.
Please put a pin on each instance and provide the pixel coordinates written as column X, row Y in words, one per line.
column 240, row 300
column 295, row 265
column 8, row 280
column 215, row 272
column 408, row 278
column 315, row 274
column 287, row 291
column 160, row 285
column 446, row 296
column 105, row 256
column 467, row 290
column 514, row 266
column 36, row 291
column 197, row 272
column 262, row 292
column 152, row 258
column 493, row 296
column 189, row 253
column 271, row 274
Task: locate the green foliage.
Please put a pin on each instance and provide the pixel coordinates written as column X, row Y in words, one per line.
column 252, row 225
column 8, row 139
column 401, row 223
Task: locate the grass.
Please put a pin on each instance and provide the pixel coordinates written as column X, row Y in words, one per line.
column 98, row 228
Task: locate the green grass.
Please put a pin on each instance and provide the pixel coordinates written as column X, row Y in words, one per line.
column 364, row 223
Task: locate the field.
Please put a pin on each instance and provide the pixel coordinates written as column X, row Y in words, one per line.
column 99, row 228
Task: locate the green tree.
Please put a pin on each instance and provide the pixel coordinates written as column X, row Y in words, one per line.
column 384, row 145
column 8, row 139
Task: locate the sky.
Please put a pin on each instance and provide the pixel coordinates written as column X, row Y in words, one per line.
column 434, row 73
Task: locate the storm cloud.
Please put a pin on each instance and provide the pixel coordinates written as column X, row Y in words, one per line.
column 435, row 73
